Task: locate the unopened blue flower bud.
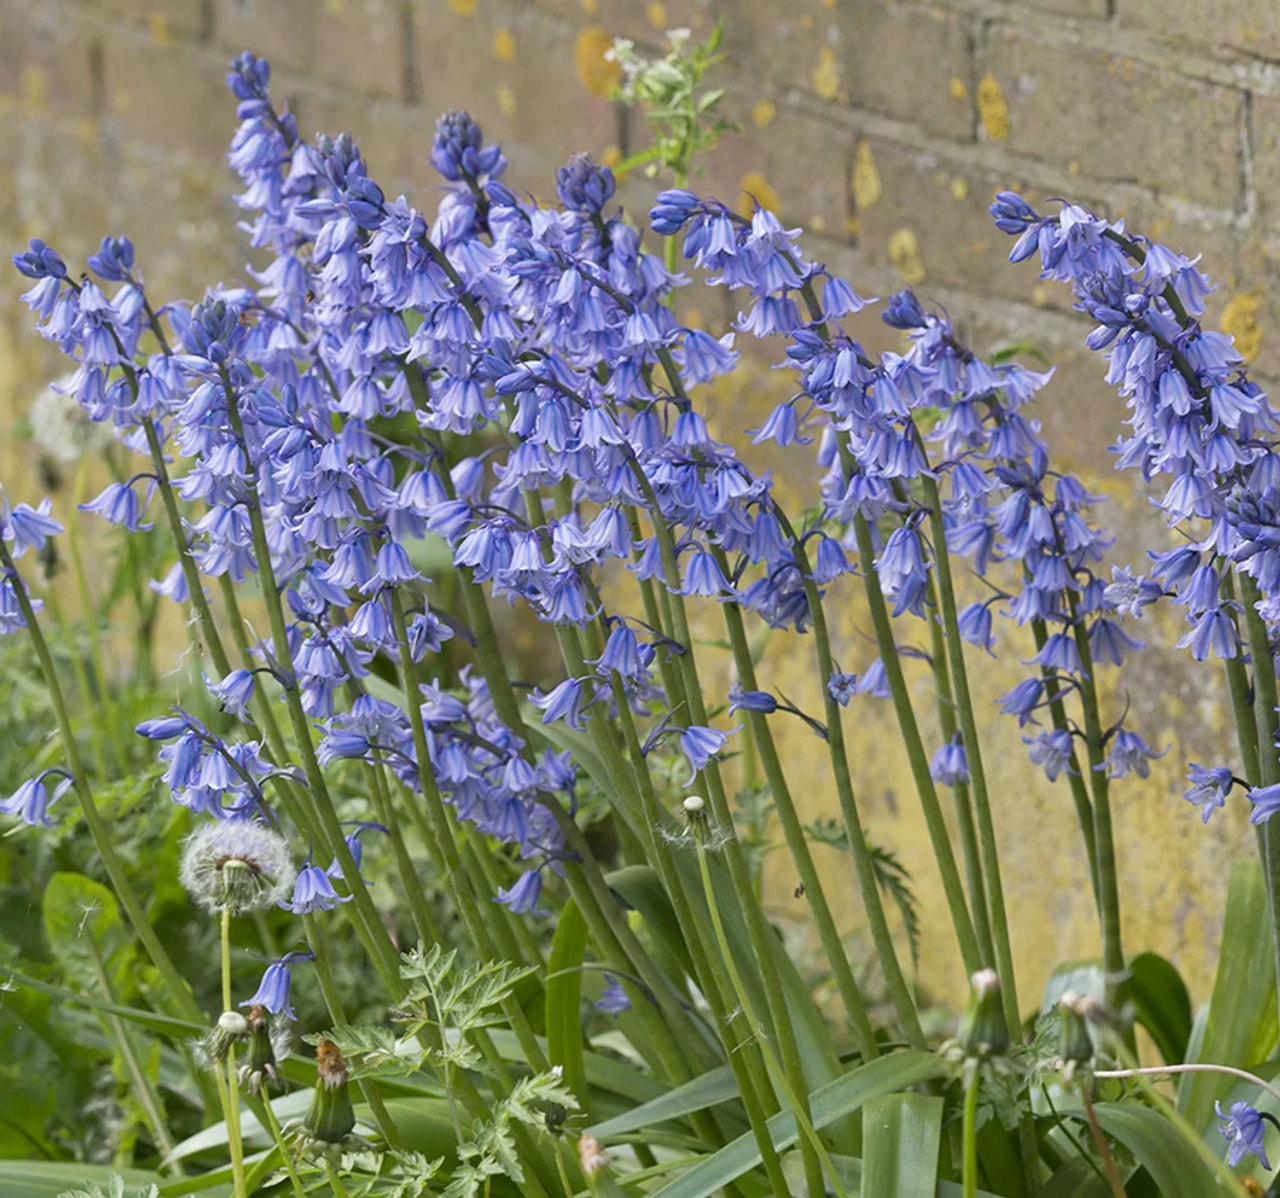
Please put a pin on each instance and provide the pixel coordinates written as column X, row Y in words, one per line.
column 584, row 186
column 114, row 260
column 40, row 262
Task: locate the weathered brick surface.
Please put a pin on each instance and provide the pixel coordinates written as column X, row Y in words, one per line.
column 356, row 45
column 877, row 38
column 1114, row 117
column 162, row 18
column 1244, row 25
column 882, row 126
column 44, row 60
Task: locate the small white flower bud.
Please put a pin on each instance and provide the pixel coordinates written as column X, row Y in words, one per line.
column 233, row 1024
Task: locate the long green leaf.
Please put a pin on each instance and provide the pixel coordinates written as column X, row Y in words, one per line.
column 1173, row 1163
column 564, row 1000
column 154, row 1020
column 48, row 1179
column 1161, row 1004
column 837, row 1099
column 1240, row 1025
column 708, row 1089
column 901, row 1135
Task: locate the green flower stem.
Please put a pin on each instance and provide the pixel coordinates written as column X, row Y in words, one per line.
column 82, row 579
column 1027, row 1143
column 83, row 686
column 963, row 801
column 445, row 846
column 759, row 933
column 295, row 800
column 973, row 751
column 882, row 938
column 1075, row 775
column 1108, row 886
column 969, row 1137
column 747, row 1064
column 653, row 614
column 511, row 934
column 179, row 992
column 1264, row 708
column 319, row 945
column 424, row 922
column 235, row 1144
column 797, row 843
column 798, row 1102
column 261, row 1107
column 195, row 588
column 1242, row 705
column 381, row 951
column 335, row 1182
column 943, row 853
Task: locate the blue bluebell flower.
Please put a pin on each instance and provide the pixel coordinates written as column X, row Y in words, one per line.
column 234, row 692
column 567, row 702
column 26, row 527
column 950, row 765
column 1209, row 788
column 613, row 999
column 1051, row 751
column 1245, row 1132
column 32, row 800
column 700, row 744
column 1129, row 754
column 273, row 989
column 313, row 891
column 758, row 701
column 1266, row 802
column 521, row 898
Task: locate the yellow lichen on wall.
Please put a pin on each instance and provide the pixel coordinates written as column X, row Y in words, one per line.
column 596, row 73
column 865, row 182
column 993, row 109
column 1240, row 319
column 904, row 253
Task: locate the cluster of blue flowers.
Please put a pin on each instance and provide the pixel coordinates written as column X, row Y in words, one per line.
column 513, row 379
column 1196, row 420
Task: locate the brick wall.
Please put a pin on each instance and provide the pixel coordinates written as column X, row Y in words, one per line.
column 882, row 127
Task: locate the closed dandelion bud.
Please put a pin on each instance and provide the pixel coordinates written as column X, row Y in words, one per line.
column 331, row 1117
column 232, row 1028
column 983, row 1030
column 1074, row 1043
column 259, row 1069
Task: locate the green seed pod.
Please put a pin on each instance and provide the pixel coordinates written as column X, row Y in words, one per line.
column 331, row 1117
column 983, row 1031
column 259, row 1070
column 1074, row 1042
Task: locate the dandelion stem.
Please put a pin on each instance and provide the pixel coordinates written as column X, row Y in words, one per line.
column 235, row 1143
